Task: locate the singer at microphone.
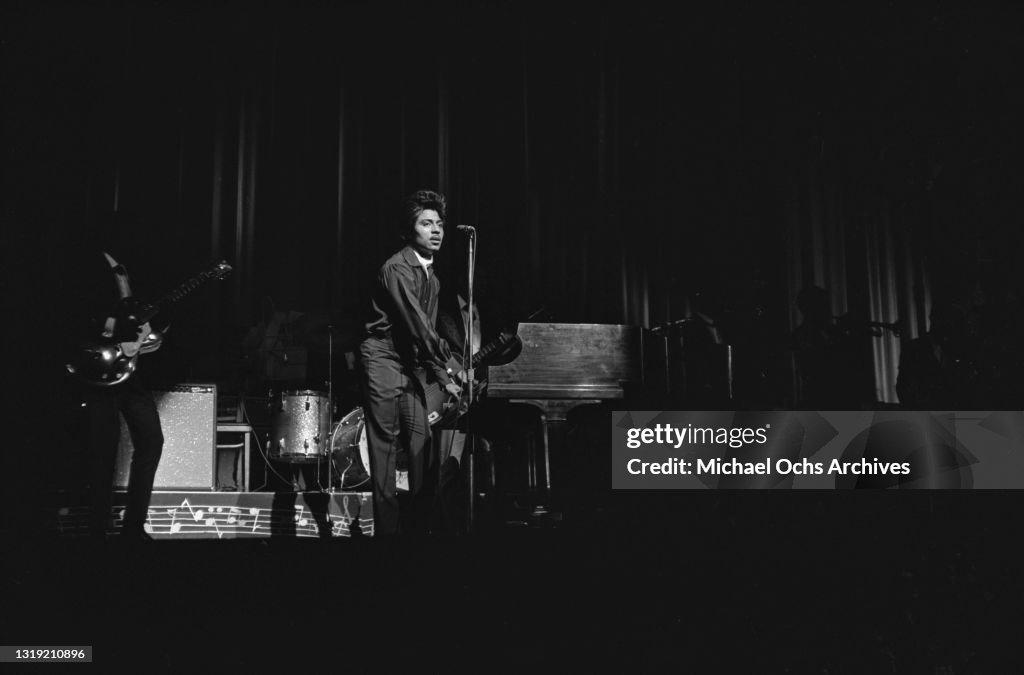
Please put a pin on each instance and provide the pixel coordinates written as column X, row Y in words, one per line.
column 401, row 346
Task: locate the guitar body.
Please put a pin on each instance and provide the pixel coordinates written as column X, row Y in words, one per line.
column 105, row 364
column 102, row 364
column 442, row 407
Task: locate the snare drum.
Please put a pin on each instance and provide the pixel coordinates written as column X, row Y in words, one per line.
column 301, row 427
column 350, row 451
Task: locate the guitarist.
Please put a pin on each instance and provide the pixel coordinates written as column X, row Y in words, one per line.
column 400, row 341
column 99, row 288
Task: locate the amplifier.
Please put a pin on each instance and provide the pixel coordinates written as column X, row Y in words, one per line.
column 188, row 417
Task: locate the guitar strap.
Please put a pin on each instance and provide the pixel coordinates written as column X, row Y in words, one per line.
column 124, row 290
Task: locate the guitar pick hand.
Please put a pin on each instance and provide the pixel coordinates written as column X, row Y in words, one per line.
column 132, row 348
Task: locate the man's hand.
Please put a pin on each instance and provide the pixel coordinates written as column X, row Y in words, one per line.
column 453, row 389
column 130, row 349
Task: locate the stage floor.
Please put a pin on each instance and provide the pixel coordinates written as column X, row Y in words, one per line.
column 857, row 581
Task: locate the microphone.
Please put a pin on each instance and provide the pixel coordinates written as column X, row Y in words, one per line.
column 468, row 229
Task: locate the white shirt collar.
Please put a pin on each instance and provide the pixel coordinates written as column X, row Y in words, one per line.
column 426, row 262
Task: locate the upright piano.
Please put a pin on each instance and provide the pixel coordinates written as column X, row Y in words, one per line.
column 562, row 366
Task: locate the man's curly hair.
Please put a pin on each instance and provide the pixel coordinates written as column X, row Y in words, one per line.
column 420, row 201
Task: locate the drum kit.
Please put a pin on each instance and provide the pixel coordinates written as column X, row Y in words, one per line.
column 302, row 433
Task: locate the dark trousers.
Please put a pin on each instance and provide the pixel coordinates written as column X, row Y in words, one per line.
column 104, row 407
column 396, row 419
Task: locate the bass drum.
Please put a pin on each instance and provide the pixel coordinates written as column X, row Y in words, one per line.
column 350, row 451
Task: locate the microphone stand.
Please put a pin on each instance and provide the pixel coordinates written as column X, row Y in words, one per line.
column 330, row 407
column 467, row 363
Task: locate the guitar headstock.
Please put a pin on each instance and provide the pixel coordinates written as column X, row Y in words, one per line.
column 220, row 270
column 215, row 271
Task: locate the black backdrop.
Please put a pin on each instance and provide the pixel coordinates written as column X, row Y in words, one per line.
column 615, row 158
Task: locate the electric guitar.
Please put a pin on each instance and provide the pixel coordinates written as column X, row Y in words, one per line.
column 104, row 363
column 442, row 406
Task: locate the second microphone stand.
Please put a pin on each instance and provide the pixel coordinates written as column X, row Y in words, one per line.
column 330, row 408
column 467, row 367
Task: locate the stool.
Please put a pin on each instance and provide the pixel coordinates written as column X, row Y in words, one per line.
column 246, row 431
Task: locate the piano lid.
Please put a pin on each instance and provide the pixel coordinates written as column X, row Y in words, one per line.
column 571, row 360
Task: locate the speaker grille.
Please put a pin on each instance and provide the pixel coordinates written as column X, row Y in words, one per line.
column 188, row 417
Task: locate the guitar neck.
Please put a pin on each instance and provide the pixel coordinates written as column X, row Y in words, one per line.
column 492, row 347
column 216, row 272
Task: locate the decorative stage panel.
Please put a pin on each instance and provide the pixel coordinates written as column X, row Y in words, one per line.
column 237, row 515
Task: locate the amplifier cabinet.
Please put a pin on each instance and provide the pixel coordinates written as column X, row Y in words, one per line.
column 188, row 417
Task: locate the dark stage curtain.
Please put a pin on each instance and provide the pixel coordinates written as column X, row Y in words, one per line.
column 621, row 165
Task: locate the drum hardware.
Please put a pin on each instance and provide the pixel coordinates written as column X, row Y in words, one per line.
column 301, row 421
column 349, row 445
column 330, row 397
column 347, row 450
